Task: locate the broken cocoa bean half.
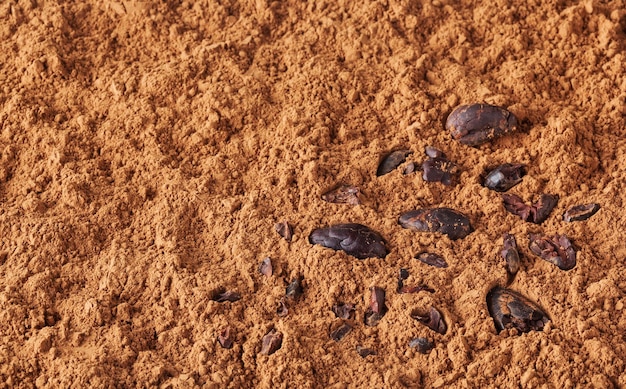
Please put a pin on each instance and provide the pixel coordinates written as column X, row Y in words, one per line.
column 475, row 124
column 443, row 220
column 504, row 177
column 556, row 249
column 432, row 320
column 355, row 239
column 392, row 161
column 510, row 309
column 580, row 212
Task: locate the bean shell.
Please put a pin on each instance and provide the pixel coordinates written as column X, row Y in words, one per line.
column 510, row 309
column 355, row 239
column 271, row 342
column 479, row 123
column 444, row 220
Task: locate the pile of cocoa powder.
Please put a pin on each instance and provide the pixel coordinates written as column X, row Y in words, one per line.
column 148, row 150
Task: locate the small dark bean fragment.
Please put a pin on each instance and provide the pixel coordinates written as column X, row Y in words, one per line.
column 510, row 309
column 432, row 320
column 403, row 274
column 285, row 230
column 580, row 212
column 265, row 267
column 271, row 342
column 227, row 296
column 355, row 239
column 440, row 170
column 343, row 194
column 557, row 250
column 224, row 338
column 282, row 309
column 511, row 256
column 432, row 259
column 409, row 168
column 377, row 308
column 504, row 177
column 294, row 289
column 536, row 213
column 479, row 123
column 392, row 161
column 343, row 311
column 340, row 332
column 422, row 345
column 364, row 351
column 444, row 220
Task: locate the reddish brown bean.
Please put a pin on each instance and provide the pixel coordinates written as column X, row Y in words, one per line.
column 510, row 309
column 581, row 212
column 556, row 249
column 433, row 320
column 355, row 239
column 479, row 123
column 392, row 161
column 444, row 220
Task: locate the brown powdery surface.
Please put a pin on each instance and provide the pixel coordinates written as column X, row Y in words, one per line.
column 146, row 153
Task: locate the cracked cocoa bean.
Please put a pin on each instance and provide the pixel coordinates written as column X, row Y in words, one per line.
column 432, row 320
column 504, row 177
column 392, row 161
column 377, row 308
column 510, row 309
column 432, row 259
column 343, row 194
column 580, row 212
column 556, row 249
column 536, row 213
column 511, row 256
column 271, row 342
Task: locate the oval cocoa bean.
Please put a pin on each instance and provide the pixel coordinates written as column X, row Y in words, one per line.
column 444, row 220
column 355, row 239
column 479, row 123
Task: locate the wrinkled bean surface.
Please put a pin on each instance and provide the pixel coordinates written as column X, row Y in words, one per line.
column 479, row 123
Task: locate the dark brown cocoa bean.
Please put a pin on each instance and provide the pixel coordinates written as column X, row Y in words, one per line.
column 479, row 123
column 556, row 249
column 271, row 342
column 294, row 289
column 343, row 194
column 285, row 230
column 510, row 309
column 392, row 161
column 355, row 239
column 432, row 320
column 581, row 212
column 265, row 267
column 440, row 170
column 536, row 213
column 223, row 296
column 511, row 256
column 340, row 332
column 365, row 351
column 504, row 177
column 443, row 220
column 432, row 259
column 224, row 338
column 377, row 308
column 343, row 311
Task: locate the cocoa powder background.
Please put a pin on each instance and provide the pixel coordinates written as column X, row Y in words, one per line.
column 146, row 152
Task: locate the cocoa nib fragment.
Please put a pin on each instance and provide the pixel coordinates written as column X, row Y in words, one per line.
column 343, row 194
column 479, row 123
column 437, row 168
column 223, row 296
column 294, row 289
column 580, row 212
column 285, row 230
column 444, row 220
column 432, row 320
column 403, row 275
column 510, row 309
column 432, row 259
column 282, row 310
column 355, row 239
column 511, row 256
column 365, row 351
column 392, row 161
column 422, row 345
column 409, row 168
column 557, row 250
column 536, row 213
column 265, row 267
column 504, row 177
column 271, row 342
column 377, row 308
column 344, row 311
column 224, row 338
column 340, row 332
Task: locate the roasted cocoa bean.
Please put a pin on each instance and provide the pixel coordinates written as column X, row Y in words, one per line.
column 271, row 342
column 340, row 332
column 285, row 230
column 432, row 259
column 504, row 177
column 355, row 239
column 479, row 123
column 432, row 320
column 510, row 309
column 343, row 311
column 422, row 345
column 392, row 161
column 556, row 249
column 536, row 213
column 377, row 308
column 343, row 194
column 443, row 220
column 511, row 256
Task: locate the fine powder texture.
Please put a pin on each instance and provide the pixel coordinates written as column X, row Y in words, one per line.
column 147, row 151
